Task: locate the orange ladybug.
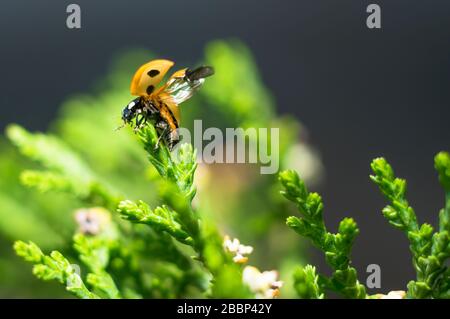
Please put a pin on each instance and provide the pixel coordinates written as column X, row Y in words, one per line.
column 160, row 104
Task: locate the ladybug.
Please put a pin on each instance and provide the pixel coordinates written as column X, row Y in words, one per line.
column 159, row 105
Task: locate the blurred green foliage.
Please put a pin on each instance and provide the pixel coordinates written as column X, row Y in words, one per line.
column 83, row 163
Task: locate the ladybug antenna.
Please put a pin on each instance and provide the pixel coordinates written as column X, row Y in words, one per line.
column 119, row 127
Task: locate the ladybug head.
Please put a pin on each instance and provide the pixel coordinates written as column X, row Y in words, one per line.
column 129, row 112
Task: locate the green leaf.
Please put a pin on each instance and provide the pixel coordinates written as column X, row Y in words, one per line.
column 53, row 267
column 430, row 250
column 47, row 181
column 336, row 247
column 66, row 172
column 306, row 283
column 442, row 165
column 399, row 213
column 161, row 219
column 50, row 152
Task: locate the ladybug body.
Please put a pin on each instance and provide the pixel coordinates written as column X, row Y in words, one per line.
column 160, row 105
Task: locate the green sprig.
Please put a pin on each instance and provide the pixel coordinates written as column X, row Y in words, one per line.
column 178, row 167
column 161, row 219
column 66, row 171
column 336, row 247
column 53, row 267
column 306, row 283
column 180, row 220
column 51, row 152
column 94, row 252
column 430, row 250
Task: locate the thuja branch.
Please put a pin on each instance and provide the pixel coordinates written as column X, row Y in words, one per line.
column 178, row 219
column 306, row 283
column 430, row 250
column 94, row 251
column 161, row 219
column 53, row 267
column 180, row 171
column 182, row 223
column 336, row 247
column 65, row 171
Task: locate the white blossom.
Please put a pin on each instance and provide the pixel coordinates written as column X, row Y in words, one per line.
column 91, row 220
column 237, row 249
column 396, row 294
column 265, row 284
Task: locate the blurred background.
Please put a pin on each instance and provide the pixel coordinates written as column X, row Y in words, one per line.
column 352, row 94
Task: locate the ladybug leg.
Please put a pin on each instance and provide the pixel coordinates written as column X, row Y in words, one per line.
column 161, row 125
column 145, row 119
column 161, row 136
column 141, row 120
column 138, row 122
column 173, row 139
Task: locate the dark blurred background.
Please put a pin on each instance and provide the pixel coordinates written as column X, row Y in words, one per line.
column 361, row 93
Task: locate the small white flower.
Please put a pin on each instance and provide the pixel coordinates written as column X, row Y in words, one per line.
column 91, row 221
column 265, row 285
column 396, row 294
column 234, row 247
column 245, row 250
column 231, row 245
column 239, row 259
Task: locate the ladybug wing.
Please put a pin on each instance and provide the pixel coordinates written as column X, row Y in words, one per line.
column 168, row 100
column 183, row 83
column 148, row 76
column 181, row 86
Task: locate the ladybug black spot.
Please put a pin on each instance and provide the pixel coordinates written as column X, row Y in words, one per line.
column 153, row 73
column 150, row 89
